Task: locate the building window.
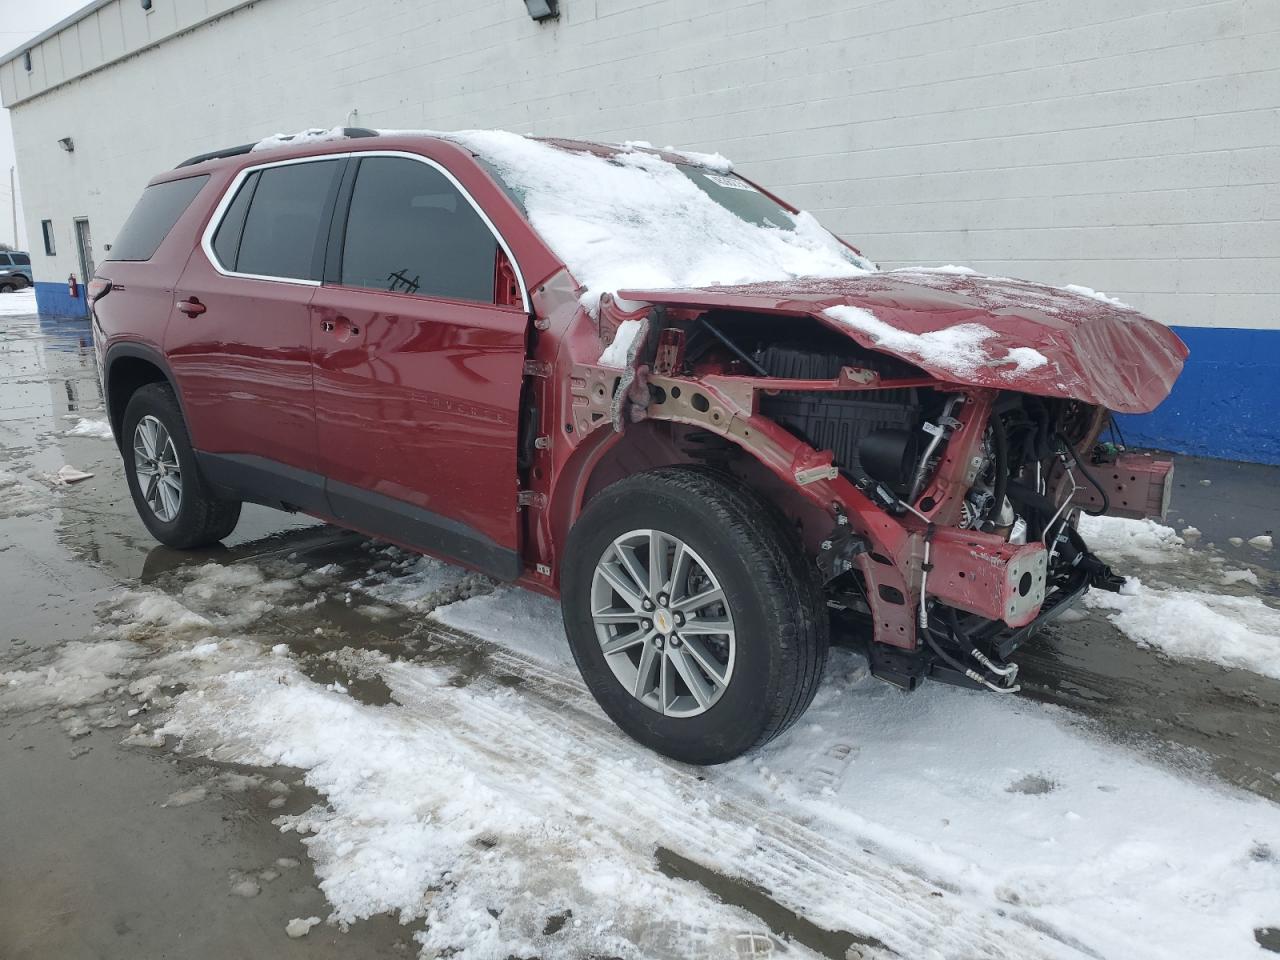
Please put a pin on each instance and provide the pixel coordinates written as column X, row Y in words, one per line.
column 46, row 226
column 26, row 60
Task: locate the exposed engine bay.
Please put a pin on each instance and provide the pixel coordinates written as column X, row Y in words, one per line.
column 953, row 525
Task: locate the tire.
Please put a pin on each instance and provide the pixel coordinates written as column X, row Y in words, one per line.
column 7, row 287
column 192, row 518
column 770, row 665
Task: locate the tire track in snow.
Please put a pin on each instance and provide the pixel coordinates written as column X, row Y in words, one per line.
column 801, row 868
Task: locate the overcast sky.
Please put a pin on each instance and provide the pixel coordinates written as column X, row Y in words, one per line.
column 20, row 20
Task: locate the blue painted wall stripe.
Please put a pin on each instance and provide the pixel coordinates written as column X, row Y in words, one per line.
column 53, row 300
column 1226, row 404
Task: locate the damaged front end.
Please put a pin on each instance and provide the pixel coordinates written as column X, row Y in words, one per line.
column 940, row 515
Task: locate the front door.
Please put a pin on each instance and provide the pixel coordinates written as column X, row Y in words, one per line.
column 239, row 339
column 418, row 368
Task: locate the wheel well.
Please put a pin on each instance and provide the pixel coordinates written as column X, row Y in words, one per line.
column 126, row 375
column 652, row 443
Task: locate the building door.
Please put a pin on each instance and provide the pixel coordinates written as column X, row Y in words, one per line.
column 84, row 247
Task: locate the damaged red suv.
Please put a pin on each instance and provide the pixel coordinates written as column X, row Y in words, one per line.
column 635, row 380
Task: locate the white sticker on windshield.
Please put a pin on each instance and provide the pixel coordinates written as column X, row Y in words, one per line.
column 733, row 183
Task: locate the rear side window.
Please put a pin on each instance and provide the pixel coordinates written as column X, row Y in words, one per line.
column 5, row 261
column 283, row 235
column 22, row 259
column 410, row 230
column 154, row 216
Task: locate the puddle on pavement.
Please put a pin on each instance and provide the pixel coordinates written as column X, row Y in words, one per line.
column 786, row 923
column 1268, row 938
column 1228, row 718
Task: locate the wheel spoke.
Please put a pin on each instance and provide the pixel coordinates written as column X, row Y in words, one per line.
column 705, row 598
column 657, row 562
column 679, row 572
column 627, row 557
column 621, row 587
column 146, row 433
column 616, row 616
column 626, row 641
column 702, row 691
column 644, row 672
column 713, row 668
column 717, row 626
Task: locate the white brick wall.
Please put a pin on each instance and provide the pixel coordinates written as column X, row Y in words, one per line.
column 1133, row 147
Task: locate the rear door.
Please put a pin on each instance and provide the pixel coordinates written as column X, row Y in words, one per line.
column 240, row 338
column 418, row 365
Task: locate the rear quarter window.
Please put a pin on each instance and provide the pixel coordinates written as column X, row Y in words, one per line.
column 22, row 259
column 154, row 216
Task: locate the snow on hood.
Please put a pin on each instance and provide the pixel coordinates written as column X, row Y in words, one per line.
column 982, row 331
column 634, row 219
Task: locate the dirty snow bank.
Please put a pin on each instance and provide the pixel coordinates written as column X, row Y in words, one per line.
column 79, row 673
column 1233, row 631
column 636, row 221
column 1122, row 538
column 959, row 349
column 91, row 428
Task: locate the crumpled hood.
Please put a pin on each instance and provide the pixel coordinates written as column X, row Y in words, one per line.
column 976, row 330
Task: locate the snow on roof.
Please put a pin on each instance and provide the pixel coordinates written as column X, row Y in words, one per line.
column 635, row 220
column 310, row 135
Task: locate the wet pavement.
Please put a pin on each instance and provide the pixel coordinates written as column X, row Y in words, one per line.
column 98, row 860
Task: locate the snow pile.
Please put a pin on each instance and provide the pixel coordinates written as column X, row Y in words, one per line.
column 18, row 304
column 615, row 355
column 308, row 136
column 1124, row 539
column 18, row 498
column 1096, row 295
column 81, row 672
column 91, row 428
column 960, row 349
column 634, row 220
column 1233, row 631
column 717, row 162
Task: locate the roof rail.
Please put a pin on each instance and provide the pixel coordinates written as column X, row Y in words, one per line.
column 351, row 132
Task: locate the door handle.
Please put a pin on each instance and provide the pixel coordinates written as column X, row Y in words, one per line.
column 191, row 307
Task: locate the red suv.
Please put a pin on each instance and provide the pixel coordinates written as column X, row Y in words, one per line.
column 639, row 382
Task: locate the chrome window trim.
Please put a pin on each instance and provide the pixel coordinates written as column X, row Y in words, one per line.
column 220, row 211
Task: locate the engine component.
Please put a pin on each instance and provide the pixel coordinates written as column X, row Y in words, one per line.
column 889, row 456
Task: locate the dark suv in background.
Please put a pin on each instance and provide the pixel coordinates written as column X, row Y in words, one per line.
column 15, row 271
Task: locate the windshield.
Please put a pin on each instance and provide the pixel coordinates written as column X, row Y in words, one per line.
column 634, row 220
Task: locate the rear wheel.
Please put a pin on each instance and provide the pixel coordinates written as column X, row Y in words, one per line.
column 692, row 615
column 7, row 286
column 171, row 497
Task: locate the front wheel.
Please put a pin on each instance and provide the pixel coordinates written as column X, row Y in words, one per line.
column 692, row 615
column 168, row 491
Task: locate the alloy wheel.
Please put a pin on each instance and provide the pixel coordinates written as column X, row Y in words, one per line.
column 663, row 623
column 155, row 461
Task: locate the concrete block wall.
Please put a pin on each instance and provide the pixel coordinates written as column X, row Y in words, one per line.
column 1134, row 147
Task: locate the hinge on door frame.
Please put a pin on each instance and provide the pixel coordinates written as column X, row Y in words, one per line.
column 537, row 368
column 531, row 498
